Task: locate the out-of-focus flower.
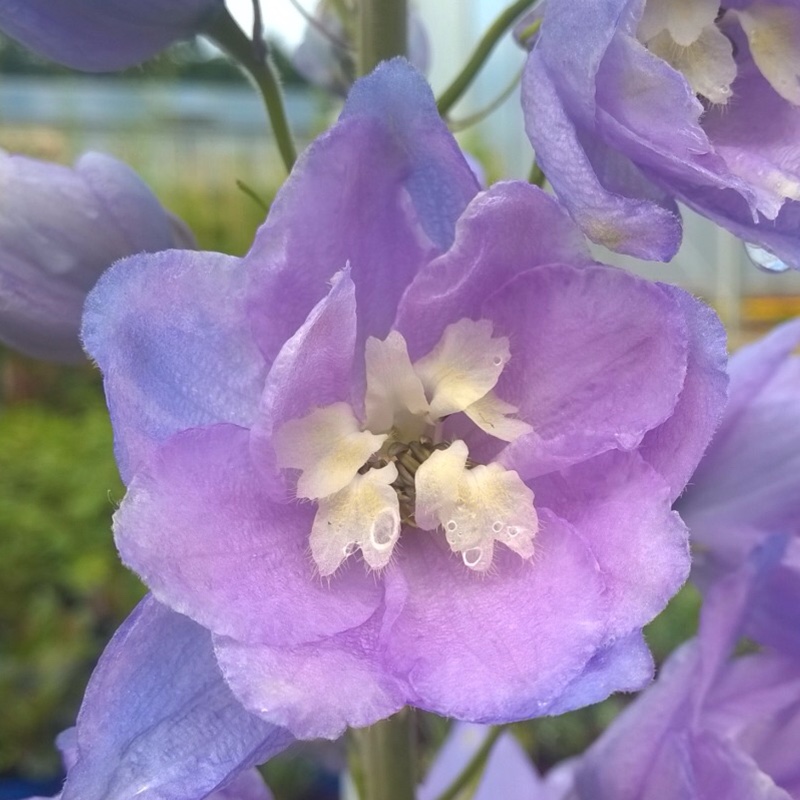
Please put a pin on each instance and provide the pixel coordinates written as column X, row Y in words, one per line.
column 103, row 35
column 411, row 449
column 158, row 722
column 327, row 55
column 60, row 227
column 747, row 487
column 631, row 105
column 712, row 726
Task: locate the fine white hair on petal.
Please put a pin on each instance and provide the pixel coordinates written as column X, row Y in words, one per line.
column 476, row 507
column 465, row 364
column 329, row 448
column 365, row 514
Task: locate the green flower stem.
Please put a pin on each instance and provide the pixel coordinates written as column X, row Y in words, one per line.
column 383, row 32
column 453, row 93
column 472, row 771
column 385, row 765
column 229, row 36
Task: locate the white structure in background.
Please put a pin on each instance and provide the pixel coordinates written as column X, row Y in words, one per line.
column 711, row 261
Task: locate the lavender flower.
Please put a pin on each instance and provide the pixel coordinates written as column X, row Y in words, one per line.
column 664, row 100
column 158, row 721
column 712, row 726
column 103, row 35
column 747, row 487
column 59, row 229
column 411, row 449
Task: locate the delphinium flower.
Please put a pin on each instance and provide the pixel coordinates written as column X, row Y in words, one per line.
column 747, row 487
column 60, row 227
column 414, row 448
column 712, row 726
column 327, row 55
column 631, row 105
column 103, row 35
column 158, row 721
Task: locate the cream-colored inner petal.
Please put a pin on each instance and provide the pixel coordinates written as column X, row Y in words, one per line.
column 329, row 448
column 684, row 20
column 465, row 365
column 494, row 416
column 476, row 507
column 773, row 32
column 364, row 515
column 707, row 64
column 395, row 396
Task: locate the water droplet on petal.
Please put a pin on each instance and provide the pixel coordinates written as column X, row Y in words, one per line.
column 497, row 361
column 497, row 527
column 383, row 531
column 765, row 260
column 512, row 531
column 451, row 525
column 472, row 557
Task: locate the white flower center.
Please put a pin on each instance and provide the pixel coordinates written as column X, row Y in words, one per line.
column 368, row 480
column 686, row 35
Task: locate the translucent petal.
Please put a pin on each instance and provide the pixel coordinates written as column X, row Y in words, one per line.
column 476, row 507
column 329, row 448
column 707, row 64
column 493, row 415
column 684, row 20
column 365, row 514
column 463, row 367
column 395, row 395
column 773, row 32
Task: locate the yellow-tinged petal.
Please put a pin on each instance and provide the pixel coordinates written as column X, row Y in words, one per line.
column 684, row 20
column 494, row 416
column 476, row 507
column 328, row 447
column 463, row 367
column 395, row 395
column 365, row 514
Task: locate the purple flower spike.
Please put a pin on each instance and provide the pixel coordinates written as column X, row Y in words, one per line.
column 712, row 726
column 103, row 35
column 663, row 101
column 158, row 720
column 59, row 229
column 411, row 449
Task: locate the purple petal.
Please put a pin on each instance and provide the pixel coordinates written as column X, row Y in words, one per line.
column 504, row 231
column 174, row 358
column 676, row 447
column 622, row 510
column 59, row 229
column 598, row 358
column 198, row 525
column 158, row 721
column 509, row 773
column 624, row 666
column 382, row 190
column 611, row 201
column 499, row 624
column 247, row 785
column 315, row 690
column 313, row 369
column 103, row 35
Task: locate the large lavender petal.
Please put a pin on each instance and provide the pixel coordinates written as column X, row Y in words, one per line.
column 173, row 358
column 198, row 525
column 382, row 189
column 583, row 345
column 103, row 35
column 158, row 721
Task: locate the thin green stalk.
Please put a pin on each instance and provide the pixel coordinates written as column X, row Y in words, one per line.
column 385, row 756
column 383, row 32
column 230, row 37
column 452, row 94
column 457, row 125
column 473, row 770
